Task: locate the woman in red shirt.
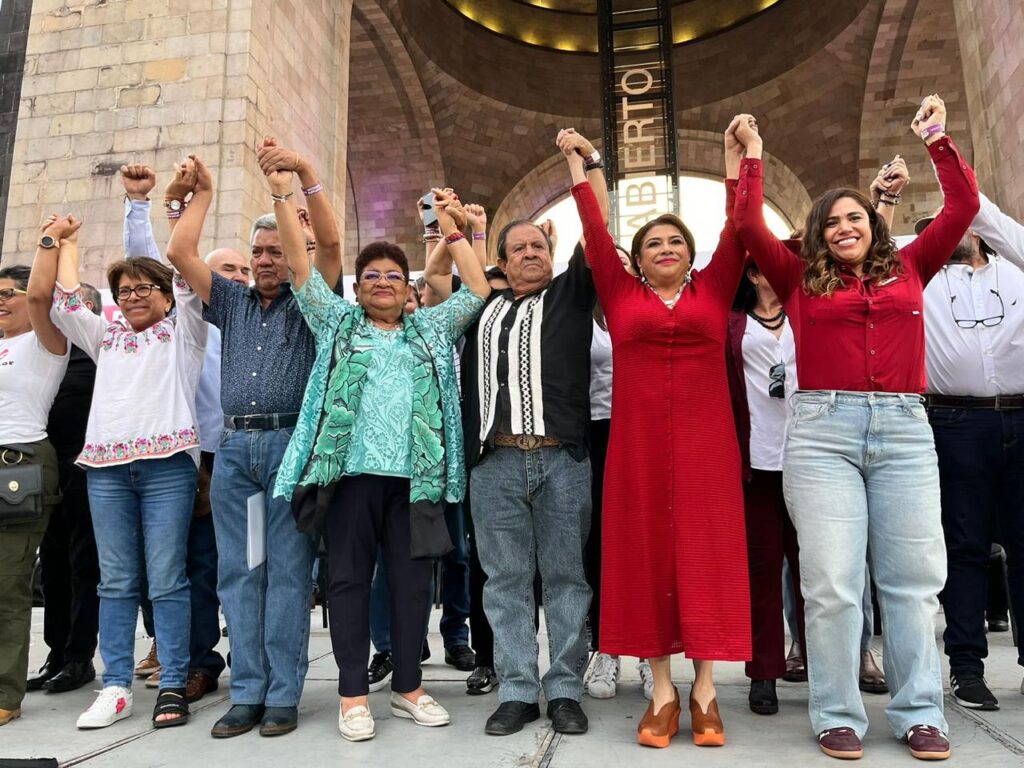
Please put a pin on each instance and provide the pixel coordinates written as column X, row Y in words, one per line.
column 674, row 561
column 859, row 471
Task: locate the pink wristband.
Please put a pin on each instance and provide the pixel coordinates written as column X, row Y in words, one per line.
column 308, row 191
column 931, row 130
column 479, row 235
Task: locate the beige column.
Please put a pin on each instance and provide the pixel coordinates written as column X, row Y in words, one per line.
column 151, row 81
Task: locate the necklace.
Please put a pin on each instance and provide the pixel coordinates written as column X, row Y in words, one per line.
column 385, row 326
column 771, row 323
column 670, row 303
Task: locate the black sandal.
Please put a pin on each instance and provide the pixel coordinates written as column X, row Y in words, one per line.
column 170, row 701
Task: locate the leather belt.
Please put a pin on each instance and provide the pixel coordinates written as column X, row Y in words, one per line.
column 259, row 422
column 526, row 442
column 997, row 403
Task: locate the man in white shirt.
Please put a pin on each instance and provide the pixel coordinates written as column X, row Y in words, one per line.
column 974, row 327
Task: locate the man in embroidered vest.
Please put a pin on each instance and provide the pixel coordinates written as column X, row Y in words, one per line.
column 527, row 411
column 267, row 355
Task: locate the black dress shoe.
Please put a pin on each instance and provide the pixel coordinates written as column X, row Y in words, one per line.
column 71, row 677
column 278, row 721
column 461, row 657
column 510, row 718
column 998, row 625
column 46, row 672
column 567, row 716
column 763, row 699
column 241, row 718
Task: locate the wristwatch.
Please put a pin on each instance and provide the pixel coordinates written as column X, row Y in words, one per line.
column 174, row 205
column 48, row 241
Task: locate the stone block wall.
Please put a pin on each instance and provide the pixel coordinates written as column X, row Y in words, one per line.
column 150, row 81
column 14, row 17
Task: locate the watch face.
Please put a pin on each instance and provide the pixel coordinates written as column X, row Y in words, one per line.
column 47, row 241
column 175, row 205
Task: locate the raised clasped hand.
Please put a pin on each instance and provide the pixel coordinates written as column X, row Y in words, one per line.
column 138, row 179
column 931, row 113
column 184, row 180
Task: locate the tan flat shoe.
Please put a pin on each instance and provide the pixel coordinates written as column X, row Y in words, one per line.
column 6, row 715
column 707, row 727
column 656, row 729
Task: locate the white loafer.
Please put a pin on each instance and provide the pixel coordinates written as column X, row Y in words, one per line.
column 425, row 711
column 356, row 724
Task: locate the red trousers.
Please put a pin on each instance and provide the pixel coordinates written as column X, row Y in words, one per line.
column 770, row 535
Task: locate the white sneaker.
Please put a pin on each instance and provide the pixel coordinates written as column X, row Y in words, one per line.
column 425, row 711
column 356, row 724
column 644, row 668
column 114, row 703
column 603, row 677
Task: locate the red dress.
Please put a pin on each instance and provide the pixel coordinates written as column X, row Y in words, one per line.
column 674, row 556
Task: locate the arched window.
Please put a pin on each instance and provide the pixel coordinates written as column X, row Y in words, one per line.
column 703, row 211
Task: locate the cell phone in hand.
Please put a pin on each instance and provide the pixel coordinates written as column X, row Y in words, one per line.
column 427, row 206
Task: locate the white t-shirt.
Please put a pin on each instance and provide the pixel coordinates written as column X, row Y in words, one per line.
column 144, row 404
column 768, row 415
column 600, row 374
column 29, row 378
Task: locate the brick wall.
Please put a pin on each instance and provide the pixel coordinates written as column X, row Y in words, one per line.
column 14, row 17
column 153, row 80
column 991, row 35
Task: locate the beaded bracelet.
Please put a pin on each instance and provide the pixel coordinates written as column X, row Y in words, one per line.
column 454, row 237
column 309, row 191
column 173, row 214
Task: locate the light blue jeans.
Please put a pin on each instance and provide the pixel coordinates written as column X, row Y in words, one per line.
column 267, row 608
column 141, row 514
column 532, row 509
column 860, row 472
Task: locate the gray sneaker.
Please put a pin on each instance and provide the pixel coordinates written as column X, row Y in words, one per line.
column 603, row 677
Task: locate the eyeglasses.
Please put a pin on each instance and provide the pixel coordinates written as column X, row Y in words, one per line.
column 968, row 323
column 777, row 383
column 9, row 293
column 371, row 276
column 142, row 290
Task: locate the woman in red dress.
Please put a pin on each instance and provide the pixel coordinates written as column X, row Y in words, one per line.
column 674, row 575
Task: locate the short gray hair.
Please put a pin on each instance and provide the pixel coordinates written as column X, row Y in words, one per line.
column 92, row 296
column 266, row 221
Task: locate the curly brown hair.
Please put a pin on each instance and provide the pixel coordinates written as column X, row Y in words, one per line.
column 821, row 271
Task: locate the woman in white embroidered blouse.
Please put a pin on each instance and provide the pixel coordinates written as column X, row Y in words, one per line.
column 141, row 454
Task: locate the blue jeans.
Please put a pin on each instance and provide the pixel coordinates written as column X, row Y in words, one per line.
column 454, row 590
column 267, row 608
column 860, row 472
column 789, row 606
column 141, row 514
column 532, row 509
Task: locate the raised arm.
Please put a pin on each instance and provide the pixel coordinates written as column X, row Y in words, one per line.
column 183, row 247
column 782, row 267
column 477, row 217
column 452, row 219
column 68, row 310
column 289, row 228
column 327, row 238
column 437, row 272
column 1002, row 233
column 885, row 191
column 138, row 181
column 932, row 249
column 56, row 232
column 184, row 259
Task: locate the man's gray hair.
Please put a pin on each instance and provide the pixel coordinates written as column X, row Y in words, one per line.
column 92, row 296
column 266, row 221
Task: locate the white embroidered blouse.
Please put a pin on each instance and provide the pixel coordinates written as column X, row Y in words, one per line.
column 144, row 401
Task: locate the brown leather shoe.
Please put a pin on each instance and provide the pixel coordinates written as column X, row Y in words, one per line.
column 796, row 670
column 153, row 681
column 6, row 715
column 198, row 685
column 148, row 665
column 656, row 729
column 841, row 743
column 872, row 680
column 707, row 727
column 928, row 743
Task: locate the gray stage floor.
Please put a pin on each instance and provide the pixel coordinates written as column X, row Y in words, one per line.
column 47, row 727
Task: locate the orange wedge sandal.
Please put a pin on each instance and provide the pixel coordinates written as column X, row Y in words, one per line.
column 707, row 727
column 656, row 729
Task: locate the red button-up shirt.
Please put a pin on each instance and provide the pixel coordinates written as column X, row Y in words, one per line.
column 866, row 336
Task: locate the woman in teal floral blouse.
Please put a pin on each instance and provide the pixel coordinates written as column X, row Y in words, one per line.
column 378, row 448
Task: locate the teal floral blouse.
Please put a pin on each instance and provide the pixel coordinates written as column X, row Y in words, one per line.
column 331, row 439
